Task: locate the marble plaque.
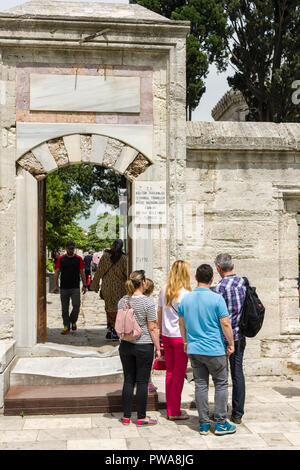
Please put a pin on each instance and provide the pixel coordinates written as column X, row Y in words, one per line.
column 150, row 202
column 77, row 93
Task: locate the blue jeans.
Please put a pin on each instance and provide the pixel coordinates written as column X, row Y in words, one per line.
column 238, row 379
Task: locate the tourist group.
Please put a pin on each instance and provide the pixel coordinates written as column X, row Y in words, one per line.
column 199, row 324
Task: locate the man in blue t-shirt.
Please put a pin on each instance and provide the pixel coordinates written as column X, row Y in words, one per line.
column 203, row 320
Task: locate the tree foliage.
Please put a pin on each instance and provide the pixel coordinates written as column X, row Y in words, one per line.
column 103, row 232
column 265, row 54
column 63, row 205
column 71, row 192
column 206, row 42
column 262, row 39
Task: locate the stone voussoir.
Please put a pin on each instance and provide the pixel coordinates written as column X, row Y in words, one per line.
column 30, row 163
column 59, row 151
column 137, row 167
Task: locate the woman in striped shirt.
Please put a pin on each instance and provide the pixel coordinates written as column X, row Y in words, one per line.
column 137, row 356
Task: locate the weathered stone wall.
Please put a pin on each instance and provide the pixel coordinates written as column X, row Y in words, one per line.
column 154, row 52
column 7, row 200
column 247, row 177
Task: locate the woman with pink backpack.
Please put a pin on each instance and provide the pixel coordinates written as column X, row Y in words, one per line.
column 137, row 327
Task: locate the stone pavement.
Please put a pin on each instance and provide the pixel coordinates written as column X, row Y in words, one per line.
column 271, row 422
column 91, row 324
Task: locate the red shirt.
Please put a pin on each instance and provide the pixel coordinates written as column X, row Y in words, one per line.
column 70, row 271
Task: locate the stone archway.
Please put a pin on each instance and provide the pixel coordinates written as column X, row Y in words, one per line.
column 32, row 169
column 84, row 148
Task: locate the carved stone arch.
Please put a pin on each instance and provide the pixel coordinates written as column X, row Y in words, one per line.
column 39, row 162
column 84, row 148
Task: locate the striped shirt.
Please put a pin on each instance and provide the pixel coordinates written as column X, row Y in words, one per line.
column 233, row 289
column 144, row 311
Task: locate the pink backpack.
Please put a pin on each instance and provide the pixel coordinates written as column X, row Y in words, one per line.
column 126, row 326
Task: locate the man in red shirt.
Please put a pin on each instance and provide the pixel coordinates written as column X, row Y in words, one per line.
column 71, row 267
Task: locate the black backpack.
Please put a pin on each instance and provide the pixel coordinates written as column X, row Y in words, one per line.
column 253, row 312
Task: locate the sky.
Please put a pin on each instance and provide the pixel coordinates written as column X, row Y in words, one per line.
column 216, row 84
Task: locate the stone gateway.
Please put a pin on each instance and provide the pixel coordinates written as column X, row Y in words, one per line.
column 105, row 84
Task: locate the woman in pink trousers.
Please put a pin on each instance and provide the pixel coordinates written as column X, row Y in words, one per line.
column 178, row 285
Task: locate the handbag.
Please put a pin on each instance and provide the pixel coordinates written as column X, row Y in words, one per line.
column 160, row 364
column 100, row 293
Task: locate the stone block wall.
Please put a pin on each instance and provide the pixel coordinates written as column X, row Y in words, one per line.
column 250, row 197
column 153, row 52
column 7, row 200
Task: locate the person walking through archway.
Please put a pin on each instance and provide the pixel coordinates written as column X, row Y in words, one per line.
column 112, row 269
column 71, row 267
column 88, row 273
column 178, row 285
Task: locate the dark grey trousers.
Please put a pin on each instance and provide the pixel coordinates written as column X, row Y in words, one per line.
column 217, row 367
column 65, row 296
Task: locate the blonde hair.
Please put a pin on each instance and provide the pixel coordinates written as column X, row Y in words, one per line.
column 179, row 277
column 149, row 287
column 134, row 282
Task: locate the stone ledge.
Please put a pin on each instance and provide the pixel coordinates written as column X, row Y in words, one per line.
column 264, row 136
column 283, row 347
column 7, row 353
column 66, row 370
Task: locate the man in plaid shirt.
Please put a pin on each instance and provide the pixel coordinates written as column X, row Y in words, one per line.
column 233, row 289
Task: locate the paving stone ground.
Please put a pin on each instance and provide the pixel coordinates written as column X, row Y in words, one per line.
column 271, row 420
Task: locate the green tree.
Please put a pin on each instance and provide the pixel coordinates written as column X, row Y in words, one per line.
column 265, row 51
column 205, row 44
column 94, row 183
column 71, row 192
column 102, row 233
column 64, row 204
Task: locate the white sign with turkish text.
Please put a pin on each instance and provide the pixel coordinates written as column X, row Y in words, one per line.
column 150, row 202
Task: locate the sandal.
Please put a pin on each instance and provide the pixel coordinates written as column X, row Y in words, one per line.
column 146, row 422
column 125, row 420
column 183, row 415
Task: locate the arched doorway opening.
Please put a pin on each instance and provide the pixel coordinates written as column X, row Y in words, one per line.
column 87, row 204
column 39, row 162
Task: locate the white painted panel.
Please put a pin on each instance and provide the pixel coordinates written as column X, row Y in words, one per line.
column 26, row 248
column 108, row 94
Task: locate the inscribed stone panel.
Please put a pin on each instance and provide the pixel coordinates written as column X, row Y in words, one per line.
column 84, row 93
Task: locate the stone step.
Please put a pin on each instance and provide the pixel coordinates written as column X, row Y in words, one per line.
column 35, row 371
column 68, row 399
column 64, row 350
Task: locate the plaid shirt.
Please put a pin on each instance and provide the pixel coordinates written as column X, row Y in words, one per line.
column 233, row 289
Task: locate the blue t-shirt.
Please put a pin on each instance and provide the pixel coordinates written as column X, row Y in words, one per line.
column 202, row 310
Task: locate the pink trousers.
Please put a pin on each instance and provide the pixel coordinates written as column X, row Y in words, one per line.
column 176, row 363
